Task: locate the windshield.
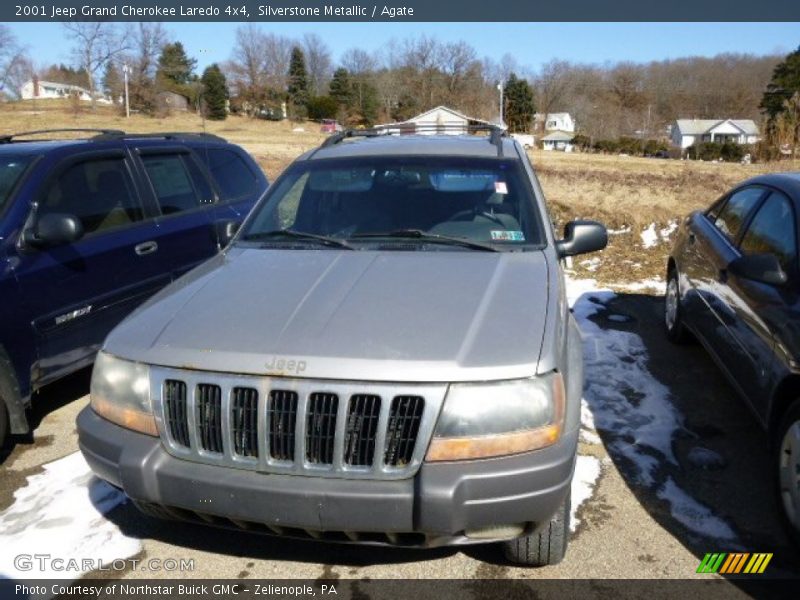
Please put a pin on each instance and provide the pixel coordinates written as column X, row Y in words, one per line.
column 403, row 202
column 11, row 169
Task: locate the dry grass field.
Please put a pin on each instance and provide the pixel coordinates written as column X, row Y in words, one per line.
column 629, row 194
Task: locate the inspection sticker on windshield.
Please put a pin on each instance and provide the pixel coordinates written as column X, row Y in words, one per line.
column 507, row 236
column 500, row 187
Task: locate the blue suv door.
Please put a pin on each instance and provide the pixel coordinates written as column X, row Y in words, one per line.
column 76, row 293
column 185, row 200
column 239, row 181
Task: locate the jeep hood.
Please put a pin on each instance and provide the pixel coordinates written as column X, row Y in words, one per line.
column 364, row 315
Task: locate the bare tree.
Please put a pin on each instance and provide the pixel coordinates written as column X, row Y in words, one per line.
column 318, row 63
column 94, row 45
column 15, row 66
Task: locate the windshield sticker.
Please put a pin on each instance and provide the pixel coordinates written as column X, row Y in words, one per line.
column 500, row 187
column 507, row 236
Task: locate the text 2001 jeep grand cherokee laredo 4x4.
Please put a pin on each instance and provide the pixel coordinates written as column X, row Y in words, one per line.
column 384, row 354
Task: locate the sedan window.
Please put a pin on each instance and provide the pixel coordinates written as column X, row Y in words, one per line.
column 733, row 215
column 772, row 231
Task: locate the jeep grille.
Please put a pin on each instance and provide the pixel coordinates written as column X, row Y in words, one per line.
column 296, row 426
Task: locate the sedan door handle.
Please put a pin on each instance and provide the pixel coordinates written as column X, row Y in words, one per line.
column 146, row 248
column 723, row 275
column 692, row 238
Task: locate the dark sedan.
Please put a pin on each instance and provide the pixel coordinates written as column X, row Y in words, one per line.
column 733, row 282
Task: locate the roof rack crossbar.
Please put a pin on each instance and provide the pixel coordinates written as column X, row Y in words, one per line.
column 5, row 139
column 168, row 135
column 496, row 132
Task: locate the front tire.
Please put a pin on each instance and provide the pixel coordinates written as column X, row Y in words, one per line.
column 787, row 460
column 546, row 547
column 673, row 312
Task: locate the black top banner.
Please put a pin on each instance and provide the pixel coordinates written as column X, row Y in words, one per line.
column 407, row 10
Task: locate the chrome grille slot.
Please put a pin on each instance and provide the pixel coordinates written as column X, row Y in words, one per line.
column 244, row 421
column 401, row 435
column 361, row 429
column 282, row 422
column 209, row 416
column 320, row 427
column 294, row 426
column 175, row 409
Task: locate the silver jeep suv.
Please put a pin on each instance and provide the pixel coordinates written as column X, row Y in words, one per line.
column 383, row 354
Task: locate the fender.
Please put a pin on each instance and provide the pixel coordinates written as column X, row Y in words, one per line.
column 10, row 394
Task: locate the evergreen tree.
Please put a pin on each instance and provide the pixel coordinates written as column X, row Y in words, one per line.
column 781, row 102
column 175, row 68
column 341, row 88
column 215, row 93
column 519, row 105
column 297, row 86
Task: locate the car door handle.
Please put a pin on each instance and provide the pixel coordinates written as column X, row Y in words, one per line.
column 146, row 248
column 692, row 238
column 723, row 275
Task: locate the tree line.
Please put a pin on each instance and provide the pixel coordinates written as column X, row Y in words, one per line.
column 269, row 75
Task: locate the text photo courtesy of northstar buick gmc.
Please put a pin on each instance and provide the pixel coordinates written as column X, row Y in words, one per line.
column 383, row 354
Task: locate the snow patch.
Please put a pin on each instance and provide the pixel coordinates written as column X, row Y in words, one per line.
column 625, row 399
column 620, row 231
column 591, row 264
column 62, row 512
column 671, row 227
column 587, row 472
column 649, row 236
column 693, row 515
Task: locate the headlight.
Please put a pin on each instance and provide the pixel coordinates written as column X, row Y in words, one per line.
column 496, row 419
column 120, row 392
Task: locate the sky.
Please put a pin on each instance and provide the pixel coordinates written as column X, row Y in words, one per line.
column 532, row 44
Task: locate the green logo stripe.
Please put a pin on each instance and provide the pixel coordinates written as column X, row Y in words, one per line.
column 718, row 564
column 711, row 562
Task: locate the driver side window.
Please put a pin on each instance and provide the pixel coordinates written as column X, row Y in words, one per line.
column 99, row 192
column 772, row 231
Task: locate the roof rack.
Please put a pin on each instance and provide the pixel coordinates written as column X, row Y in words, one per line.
column 167, row 135
column 496, row 132
column 7, row 139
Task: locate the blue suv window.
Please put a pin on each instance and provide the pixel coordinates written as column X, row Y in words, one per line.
column 11, row 169
column 172, row 183
column 234, row 178
column 99, row 192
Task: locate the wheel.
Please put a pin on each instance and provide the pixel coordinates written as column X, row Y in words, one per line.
column 673, row 317
column 547, row 546
column 3, row 424
column 787, row 457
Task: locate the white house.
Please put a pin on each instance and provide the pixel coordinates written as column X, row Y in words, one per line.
column 437, row 121
column 561, row 121
column 688, row 132
column 558, row 140
column 47, row 90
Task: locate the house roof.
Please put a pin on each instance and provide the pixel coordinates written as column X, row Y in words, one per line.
column 548, row 116
column 559, row 136
column 701, row 126
column 420, row 118
column 66, row 86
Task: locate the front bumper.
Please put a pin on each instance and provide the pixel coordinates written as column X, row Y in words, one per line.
column 442, row 504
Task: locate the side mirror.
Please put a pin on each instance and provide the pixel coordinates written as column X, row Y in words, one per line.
column 581, row 237
column 54, row 229
column 226, row 230
column 764, row 268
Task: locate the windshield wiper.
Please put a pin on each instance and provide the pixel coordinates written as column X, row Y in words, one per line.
column 418, row 234
column 298, row 235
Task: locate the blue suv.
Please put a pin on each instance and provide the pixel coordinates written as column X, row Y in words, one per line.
column 90, row 228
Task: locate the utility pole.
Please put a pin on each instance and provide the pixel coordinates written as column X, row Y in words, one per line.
column 125, row 70
column 502, row 117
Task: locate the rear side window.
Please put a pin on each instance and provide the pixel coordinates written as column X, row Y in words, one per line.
column 99, row 192
column 234, row 177
column 772, row 231
column 172, row 183
column 733, row 215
